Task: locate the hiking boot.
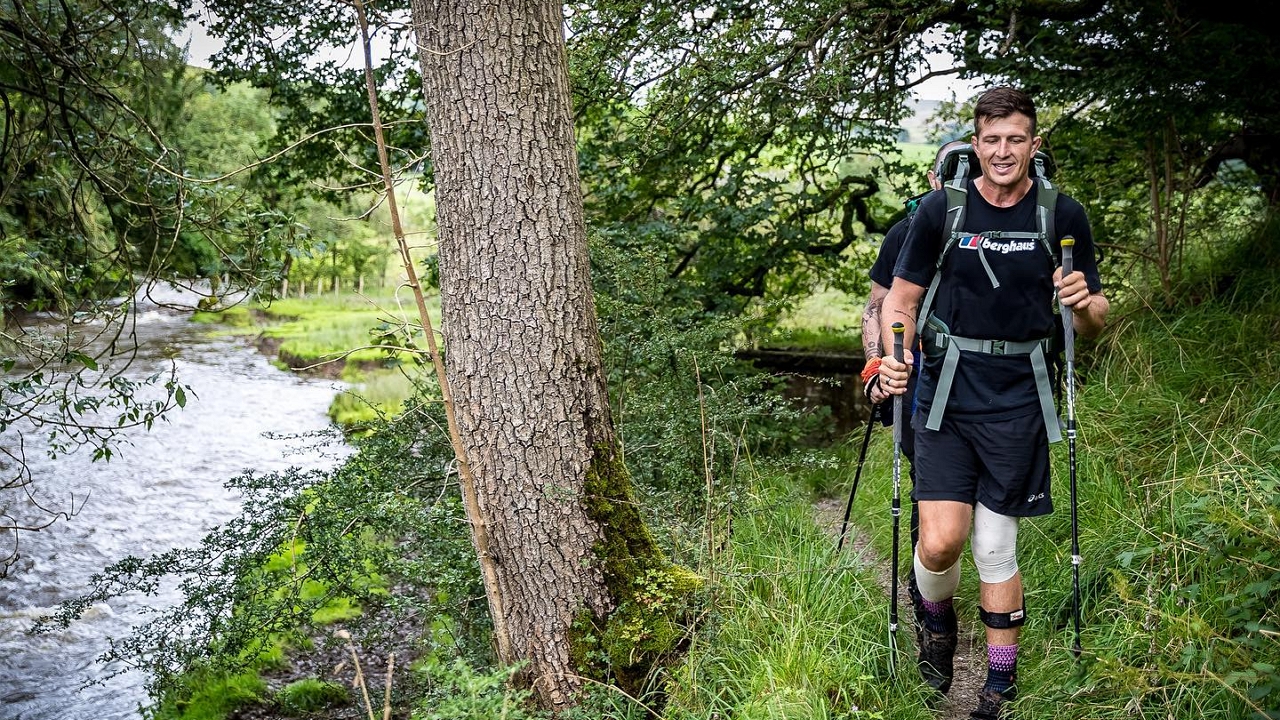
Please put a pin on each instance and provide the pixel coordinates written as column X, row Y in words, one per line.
column 993, row 705
column 937, row 651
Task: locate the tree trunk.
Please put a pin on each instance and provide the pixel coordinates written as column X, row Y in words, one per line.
column 521, row 341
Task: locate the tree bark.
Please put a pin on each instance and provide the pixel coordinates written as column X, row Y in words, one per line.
column 522, row 347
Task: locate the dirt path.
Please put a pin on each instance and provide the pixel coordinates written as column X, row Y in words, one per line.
column 971, row 661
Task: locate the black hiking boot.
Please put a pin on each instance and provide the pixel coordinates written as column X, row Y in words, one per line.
column 937, row 650
column 993, row 705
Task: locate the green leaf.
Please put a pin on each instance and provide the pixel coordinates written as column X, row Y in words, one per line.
column 83, row 359
column 180, row 396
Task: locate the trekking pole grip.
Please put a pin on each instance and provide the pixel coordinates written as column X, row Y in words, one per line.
column 1068, row 243
column 898, row 330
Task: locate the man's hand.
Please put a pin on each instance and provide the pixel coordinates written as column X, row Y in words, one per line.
column 873, row 390
column 1073, row 290
column 1088, row 309
column 894, row 375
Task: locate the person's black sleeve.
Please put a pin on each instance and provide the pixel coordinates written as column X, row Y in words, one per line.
column 1071, row 219
column 882, row 270
column 923, row 240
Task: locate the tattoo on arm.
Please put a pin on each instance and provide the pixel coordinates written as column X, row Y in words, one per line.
column 871, row 329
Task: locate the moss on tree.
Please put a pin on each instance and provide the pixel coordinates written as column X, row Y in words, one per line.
column 655, row 598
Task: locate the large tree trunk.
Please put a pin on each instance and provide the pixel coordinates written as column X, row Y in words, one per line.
column 521, row 341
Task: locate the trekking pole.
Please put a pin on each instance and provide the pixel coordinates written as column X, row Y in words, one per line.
column 896, row 508
column 862, row 457
column 1069, row 338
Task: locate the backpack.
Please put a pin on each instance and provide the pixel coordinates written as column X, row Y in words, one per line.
column 958, row 166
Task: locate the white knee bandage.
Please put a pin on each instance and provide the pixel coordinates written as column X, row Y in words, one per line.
column 994, row 544
column 936, row 586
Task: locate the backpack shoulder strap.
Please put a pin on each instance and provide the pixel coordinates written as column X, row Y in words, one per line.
column 957, row 195
column 1046, row 206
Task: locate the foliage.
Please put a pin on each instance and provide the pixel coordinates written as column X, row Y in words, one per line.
column 310, row 695
column 1152, row 66
column 687, row 411
column 1166, row 108
column 460, row 692
column 733, row 144
column 301, row 53
column 111, row 188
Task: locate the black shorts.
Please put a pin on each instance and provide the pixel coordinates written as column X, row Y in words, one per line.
column 1004, row 464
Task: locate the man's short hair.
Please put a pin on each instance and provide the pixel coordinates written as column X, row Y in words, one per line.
column 1001, row 102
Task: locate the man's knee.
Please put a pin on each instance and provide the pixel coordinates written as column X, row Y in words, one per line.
column 938, row 552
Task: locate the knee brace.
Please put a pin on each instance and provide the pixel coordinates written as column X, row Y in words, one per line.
column 936, row 586
column 994, row 545
column 1004, row 621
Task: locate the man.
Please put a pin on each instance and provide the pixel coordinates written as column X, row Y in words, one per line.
column 881, row 278
column 982, row 454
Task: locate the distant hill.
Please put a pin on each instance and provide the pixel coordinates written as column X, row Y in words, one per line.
column 915, row 124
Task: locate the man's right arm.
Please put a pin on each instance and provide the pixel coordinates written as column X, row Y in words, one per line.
column 900, row 305
column 871, row 322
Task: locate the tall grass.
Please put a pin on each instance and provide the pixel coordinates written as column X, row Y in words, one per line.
column 795, row 631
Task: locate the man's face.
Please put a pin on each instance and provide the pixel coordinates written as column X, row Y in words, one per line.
column 1005, row 147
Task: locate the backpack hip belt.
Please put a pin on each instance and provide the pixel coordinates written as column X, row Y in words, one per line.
column 937, row 341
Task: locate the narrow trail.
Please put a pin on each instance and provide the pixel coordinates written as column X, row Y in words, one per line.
column 970, row 662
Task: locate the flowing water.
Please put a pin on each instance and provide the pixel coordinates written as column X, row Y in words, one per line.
column 164, row 490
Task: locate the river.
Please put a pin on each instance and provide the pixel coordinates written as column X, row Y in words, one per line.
column 164, row 490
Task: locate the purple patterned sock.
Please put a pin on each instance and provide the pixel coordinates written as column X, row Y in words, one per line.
column 938, row 615
column 1002, row 667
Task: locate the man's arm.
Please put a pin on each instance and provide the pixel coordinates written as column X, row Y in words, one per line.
column 871, row 347
column 900, row 305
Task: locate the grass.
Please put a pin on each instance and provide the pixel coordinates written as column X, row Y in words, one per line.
column 361, row 333
column 310, row 695
column 796, row 631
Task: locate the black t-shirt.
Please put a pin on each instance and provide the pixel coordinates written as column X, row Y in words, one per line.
column 992, row 387
column 882, row 270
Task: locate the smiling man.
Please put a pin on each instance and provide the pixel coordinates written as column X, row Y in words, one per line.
column 978, row 274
